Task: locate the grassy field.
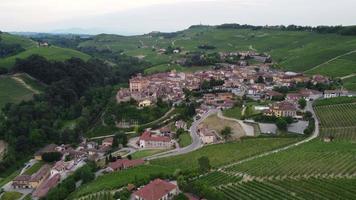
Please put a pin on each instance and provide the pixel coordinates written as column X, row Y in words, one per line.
column 11, row 196
column 145, row 153
column 51, row 53
column 170, row 67
column 350, row 83
column 222, row 154
column 185, row 139
column 34, row 168
column 11, row 91
column 298, row 51
column 234, row 112
column 217, row 124
column 338, row 120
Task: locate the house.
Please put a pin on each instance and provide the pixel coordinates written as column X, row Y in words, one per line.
column 181, row 124
column 271, row 95
column 282, row 109
column 335, row 93
column 61, row 167
column 45, row 186
column 138, row 83
column 47, row 149
column 294, row 97
column 166, row 131
column 310, row 94
column 124, row 164
column 147, row 140
column 145, row 103
column 25, row 181
column 157, row 190
column 207, row 135
column 107, row 142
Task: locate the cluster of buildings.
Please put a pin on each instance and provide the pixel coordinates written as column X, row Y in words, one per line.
column 49, row 175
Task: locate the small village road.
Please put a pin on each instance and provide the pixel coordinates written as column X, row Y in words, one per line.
column 310, row 138
column 196, row 141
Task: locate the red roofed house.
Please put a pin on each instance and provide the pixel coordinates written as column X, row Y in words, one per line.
column 147, row 140
column 45, row 186
column 124, row 164
column 157, row 190
column 293, row 97
column 282, row 109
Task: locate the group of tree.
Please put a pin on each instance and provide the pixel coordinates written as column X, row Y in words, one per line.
column 210, row 84
column 9, row 49
column 74, row 92
column 342, row 30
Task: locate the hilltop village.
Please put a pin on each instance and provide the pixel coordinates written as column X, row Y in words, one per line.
column 259, row 90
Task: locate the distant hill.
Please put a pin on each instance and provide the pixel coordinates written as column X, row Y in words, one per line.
column 30, row 47
column 292, row 50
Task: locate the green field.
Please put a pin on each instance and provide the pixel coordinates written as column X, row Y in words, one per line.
column 11, row 196
column 11, row 91
column 170, row 67
column 338, row 120
column 350, row 83
column 338, row 68
column 291, row 189
column 234, row 112
column 51, row 53
column 317, row 157
column 298, row 51
column 222, row 154
column 185, row 140
column 146, row 153
column 14, row 39
column 34, row 168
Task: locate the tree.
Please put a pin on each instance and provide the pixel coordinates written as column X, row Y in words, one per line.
column 204, row 164
column 129, row 157
column 260, row 79
column 226, row 132
column 302, row 103
column 180, row 196
column 51, row 156
column 179, row 132
column 282, row 124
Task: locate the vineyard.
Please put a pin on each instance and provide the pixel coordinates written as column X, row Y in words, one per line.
column 291, row 189
column 338, row 120
column 313, row 159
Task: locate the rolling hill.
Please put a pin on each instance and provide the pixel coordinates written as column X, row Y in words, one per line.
column 292, row 50
column 30, row 47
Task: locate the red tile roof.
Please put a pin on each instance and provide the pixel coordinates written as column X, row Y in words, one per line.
column 155, row 190
column 147, row 136
column 43, row 189
column 125, row 163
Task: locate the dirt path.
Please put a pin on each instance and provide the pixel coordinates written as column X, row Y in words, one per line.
column 329, row 61
column 348, row 76
column 22, row 82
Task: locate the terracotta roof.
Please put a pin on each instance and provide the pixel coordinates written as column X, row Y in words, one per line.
column 125, row 163
column 155, row 190
column 23, row 177
column 41, row 173
column 147, row 136
column 43, row 189
column 285, row 106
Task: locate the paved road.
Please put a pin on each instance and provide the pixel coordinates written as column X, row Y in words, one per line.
column 313, row 136
column 196, row 142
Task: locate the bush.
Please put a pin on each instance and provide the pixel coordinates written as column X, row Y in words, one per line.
column 51, row 156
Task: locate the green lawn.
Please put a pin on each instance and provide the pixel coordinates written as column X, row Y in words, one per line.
column 12, row 91
column 145, row 153
column 185, row 139
column 350, row 83
column 234, row 112
column 178, row 68
column 34, row 168
column 11, row 196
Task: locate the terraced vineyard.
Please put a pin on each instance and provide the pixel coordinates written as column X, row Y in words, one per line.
column 292, row 189
column 338, row 121
column 219, row 178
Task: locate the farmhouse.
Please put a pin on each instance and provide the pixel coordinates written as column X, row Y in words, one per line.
column 45, row 186
column 207, row 135
column 26, row 181
column 124, row 164
column 157, row 190
column 147, row 140
column 107, row 142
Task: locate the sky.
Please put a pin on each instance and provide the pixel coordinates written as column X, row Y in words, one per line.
column 128, row 17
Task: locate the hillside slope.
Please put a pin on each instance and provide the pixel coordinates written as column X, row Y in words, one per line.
column 292, row 50
column 30, row 47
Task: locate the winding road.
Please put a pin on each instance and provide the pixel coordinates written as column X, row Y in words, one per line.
column 196, row 142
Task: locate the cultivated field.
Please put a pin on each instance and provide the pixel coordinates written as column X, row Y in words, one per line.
column 338, row 120
column 298, row 51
